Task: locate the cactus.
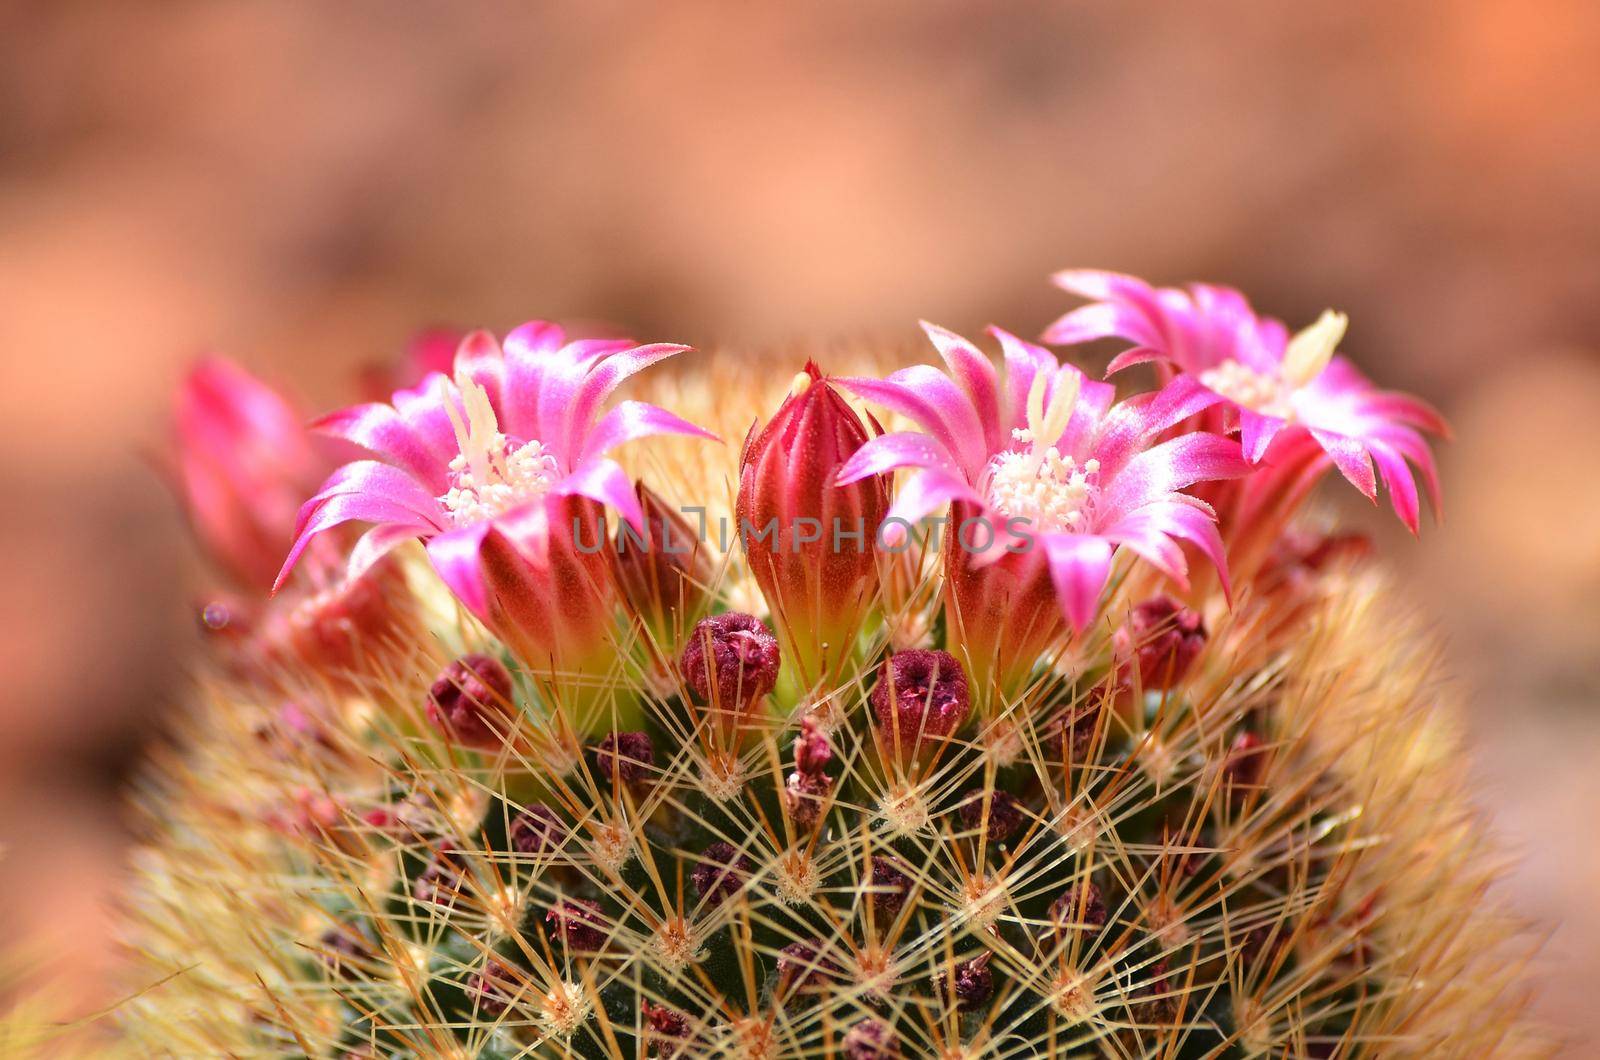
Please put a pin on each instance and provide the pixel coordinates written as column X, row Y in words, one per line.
column 1157, row 814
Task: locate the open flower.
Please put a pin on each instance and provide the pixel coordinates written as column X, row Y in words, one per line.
column 498, row 470
column 1047, row 464
column 1271, row 382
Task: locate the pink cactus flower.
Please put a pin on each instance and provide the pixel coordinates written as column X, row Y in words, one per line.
column 242, row 461
column 496, row 470
column 1048, row 464
column 1272, row 383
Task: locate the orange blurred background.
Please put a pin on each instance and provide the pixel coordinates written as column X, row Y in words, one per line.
column 303, row 185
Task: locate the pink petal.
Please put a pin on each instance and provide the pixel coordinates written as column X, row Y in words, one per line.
column 455, row 557
column 380, row 430
column 1350, row 456
column 888, row 452
column 479, row 359
column 1256, row 433
column 375, row 544
column 571, row 397
column 630, row 420
column 606, row 482
column 1132, row 356
column 378, row 481
column 920, row 496
column 1170, row 466
column 927, row 396
column 1402, row 487
column 325, row 513
column 1080, row 565
column 1024, row 361
column 1185, row 396
column 977, row 377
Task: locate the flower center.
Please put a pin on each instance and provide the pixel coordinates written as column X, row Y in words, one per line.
column 1040, row 484
column 1248, row 388
column 492, row 473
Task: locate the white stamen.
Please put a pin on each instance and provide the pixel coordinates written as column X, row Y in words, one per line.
column 491, row 473
column 1311, row 349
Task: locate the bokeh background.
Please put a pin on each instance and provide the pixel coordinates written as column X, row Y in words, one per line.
column 302, row 185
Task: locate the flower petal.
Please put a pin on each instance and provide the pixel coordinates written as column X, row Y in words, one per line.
column 888, row 452
column 631, row 420
column 380, row 430
column 1080, row 565
column 605, row 481
column 976, row 375
column 929, row 397
column 455, row 557
column 1350, row 456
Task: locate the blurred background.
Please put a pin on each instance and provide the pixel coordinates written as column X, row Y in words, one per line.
column 302, row 186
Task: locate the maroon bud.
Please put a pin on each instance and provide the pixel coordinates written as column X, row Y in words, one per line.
column 890, row 888
column 805, row 794
column 662, row 573
column 973, row 983
column 1161, row 639
column 1005, row 814
column 441, row 881
column 1074, row 733
column 494, row 987
column 538, row 830
column 471, row 702
column 1246, row 762
column 720, row 874
column 626, row 756
column 731, row 661
column 1079, row 908
column 668, row 1030
column 921, row 698
column 1158, row 998
column 801, row 966
column 812, row 749
column 344, row 950
column 871, row 1040
column 577, row 923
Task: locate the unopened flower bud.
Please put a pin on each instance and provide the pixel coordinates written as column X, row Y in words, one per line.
column 920, row 700
column 345, row 950
column 731, row 662
column 537, row 830
column 802, row 967
column 1074, row 732
column 972, row 983
column 1161, row 641
column 1004, row 812
column 812, row 748
column 471, row 702
column 810, row 542
column 871, row 1040
column 440, row 883
column 668, row 1030
column 890, row 888
column 664, row 571
column 805, row 795
column 578, row 924
column 1079, row 908
column 626, row 757
column 494, row 988
column 720, row 874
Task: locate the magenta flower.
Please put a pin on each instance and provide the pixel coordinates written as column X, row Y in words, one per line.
column 1271, row 382
column 1047, row 461
column 489, row 469
column 242, row 463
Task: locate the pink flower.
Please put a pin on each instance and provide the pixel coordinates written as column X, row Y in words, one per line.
column 242, row 463
column 1047, row 462
column 1272, row 383
column 496, row 471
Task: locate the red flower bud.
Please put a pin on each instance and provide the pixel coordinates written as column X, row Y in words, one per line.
column 801, row 966
column 662, row 573
column 1004, row 811
column 720, row 874
column 920, row 699
column 731, row 662
column 626, row 756
column 471, row 702
column 578, row 924
column 973, row 983
column 871, row 1040
column 538, row 830
column 1161, row 640
column 1079, row 908
column 811, row 543
column 668, row 1030
column 494, row 988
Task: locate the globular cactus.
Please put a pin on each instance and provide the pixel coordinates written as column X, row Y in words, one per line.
column 675, row 786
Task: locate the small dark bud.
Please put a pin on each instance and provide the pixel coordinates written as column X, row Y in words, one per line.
column 441, row 881
column 812, row 749
column 890, row 888
column 801, row 966
column 471, row 702
column 1158, row 998
column 720, row 874
column 1005, row 814
column 494, row 987
column 577, row 923
column 1161, row 640
column 973, row 983
column 731, row 661
column 921, row 698
column 537, row 830
column 345, row 950
column 1074, row 733
column 668, row 1030
column 626, row 756
column 805, row 794
column 1079, row 908
column 871, row 1040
